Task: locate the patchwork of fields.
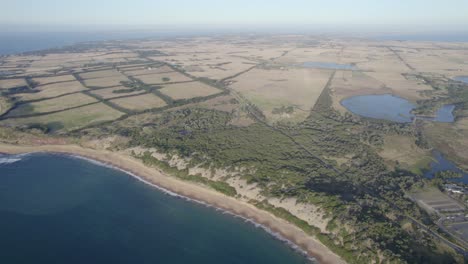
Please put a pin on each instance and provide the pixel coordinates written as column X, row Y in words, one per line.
column 270, row 75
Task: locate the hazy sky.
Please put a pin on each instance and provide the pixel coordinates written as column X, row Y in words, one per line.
column 219, row 12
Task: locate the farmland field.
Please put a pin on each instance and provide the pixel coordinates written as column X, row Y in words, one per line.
column 147, row 70
column 56, row 104
column 106, row 81
column 69, row 119
column 113, row 92
column 53, row 90
column 100, row 74
column 274, row 91
column 188, row 90
column 161, row 78
column 140, row 102
column 54, row 79
column 12, row 83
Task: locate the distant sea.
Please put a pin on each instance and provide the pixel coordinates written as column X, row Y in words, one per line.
column 17, row 42
column 437, row 37
column 62, row 209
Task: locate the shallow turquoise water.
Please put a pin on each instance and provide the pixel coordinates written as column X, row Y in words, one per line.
column 60, row 209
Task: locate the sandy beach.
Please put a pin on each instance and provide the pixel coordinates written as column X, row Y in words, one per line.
column 312, row 246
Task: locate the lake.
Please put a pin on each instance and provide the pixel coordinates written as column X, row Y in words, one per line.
column 62, row 209
column 461, row 79
column 445, row 114
column 392, row 108
column 442, row 164
column 328, row 65
column 385, row 106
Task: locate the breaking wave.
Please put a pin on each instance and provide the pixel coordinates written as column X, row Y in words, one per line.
column 8, row 159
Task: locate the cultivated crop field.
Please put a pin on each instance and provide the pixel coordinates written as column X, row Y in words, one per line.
column 109, row 93
column 140, row 102
column 188, row 90
column 52, row 105
column 274, row 91
column 100, row 74
column 105, row 82
column 161, row 78
column 54, row 79
column 139, row 70
column 12, row 83
column 70, row 119
column 52, row 90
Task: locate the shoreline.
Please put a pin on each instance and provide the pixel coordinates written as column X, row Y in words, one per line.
column 277, row 227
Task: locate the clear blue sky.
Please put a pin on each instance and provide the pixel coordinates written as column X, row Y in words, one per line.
column 219, row 12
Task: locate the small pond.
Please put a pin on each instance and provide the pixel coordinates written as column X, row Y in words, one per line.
column 392, row 108
column 461, row 79
column 442, row 164
column 445, row 114
column 328, row 65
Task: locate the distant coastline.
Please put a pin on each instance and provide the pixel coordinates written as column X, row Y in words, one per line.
column 19, row 42
column 280, row 228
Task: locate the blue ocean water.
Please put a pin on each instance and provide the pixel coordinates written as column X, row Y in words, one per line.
column 431, row 36
column 17, row 42
column 61, row 209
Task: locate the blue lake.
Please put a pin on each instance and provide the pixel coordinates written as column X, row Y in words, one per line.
column 60, row 209
column 442, row 164
column 392, row 108
column 461, row 79
column 383, row 106
column 445, row 114
column 328, row 65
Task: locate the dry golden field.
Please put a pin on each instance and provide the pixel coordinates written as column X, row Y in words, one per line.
column 188, row 90
column 140, row 102
column 54, row 79
column 108, row 93
column 12, row 83
column 56, row 104
column 161, row 78
column 53, row 90
column 69, row 119
column 100, row 74
column 146, row 70
column 276, row 88
column 106, row 81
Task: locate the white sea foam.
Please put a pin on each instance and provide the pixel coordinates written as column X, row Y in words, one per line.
column 276, row 235
column 8, row 159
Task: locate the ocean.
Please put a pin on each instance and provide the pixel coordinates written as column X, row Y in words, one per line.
column 18, row 42
column 63, row 209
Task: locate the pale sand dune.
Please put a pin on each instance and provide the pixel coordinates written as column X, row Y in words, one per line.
column 197, row 192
